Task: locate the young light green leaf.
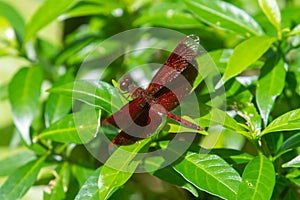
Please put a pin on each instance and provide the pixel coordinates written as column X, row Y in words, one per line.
column 219, row 117
column 224, row 15
column 240, row 100
column 271, row 10
column 21, row 180
column 245, row 54
column 98, row 94
column 295, row 162
column 78, row 128
column 119, row 168
column 15, row 20
column 258, row 179
column 270, row 85
column 295, row 31
column 14, row 161
column 285, row 122
column 90, row 190
column 24, row 94
column 58, row 106
column 45, row 14
column 3, row 92
column 209, row 173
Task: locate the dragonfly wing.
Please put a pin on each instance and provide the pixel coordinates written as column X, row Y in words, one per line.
column 128, row 113
column 172, row 93
column 181, row 58
column 136, row 120
column 143, row 126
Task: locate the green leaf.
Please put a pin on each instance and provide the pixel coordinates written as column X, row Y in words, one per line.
column 73, row 50
column 290, row 143
column 119, row 168
column 271, row 10
column 21, row 180
column 168, row 15
column 209, row 173
column 24, row 94
column 270, row 85
column 78, row 128
column 167, row 174
column 89, row 190
column 85, row 8
column 239, row 99
column 245, row 54
column 295, row 31
column 219, row 117
column 224, row 15
column 3, row 92
column 98, row 94
column 81, row 174
column 45, row 14
column 232, row 156
column 295, row 162
column 285, row 122
column 12, row 162
column 58, row 106
column 15, row 20
column 258, row 179
column 57, row 188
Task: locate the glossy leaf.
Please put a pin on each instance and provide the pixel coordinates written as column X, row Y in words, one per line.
column 97, row 94
column 14, row 161
column 24, row 94
column 89, row 190
column 245, row 54
column 232, row 156
column 173, row 15
column 86, row 8
column 258, row 179
column 270, row 85
column 295, row 162
column 291, row 142
column 285, row 122
column 57, row 105
column 271, row 10
column 21, row 180
column 219, row 117
column 210, row 173
column 78, row 128
column 15, row 20
column 224, row 15
column 119, row 168
column 45, row 14
column 58, row 187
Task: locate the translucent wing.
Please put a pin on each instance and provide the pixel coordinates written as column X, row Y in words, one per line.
column 181, row 58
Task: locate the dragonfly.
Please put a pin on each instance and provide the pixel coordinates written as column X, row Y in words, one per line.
column 141, row 116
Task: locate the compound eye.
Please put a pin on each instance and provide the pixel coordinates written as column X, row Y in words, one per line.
column 125, row 83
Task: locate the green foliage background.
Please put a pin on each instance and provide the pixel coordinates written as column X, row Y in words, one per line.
column 254, row 44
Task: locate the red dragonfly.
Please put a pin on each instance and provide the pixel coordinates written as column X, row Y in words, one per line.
column 141, row 117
